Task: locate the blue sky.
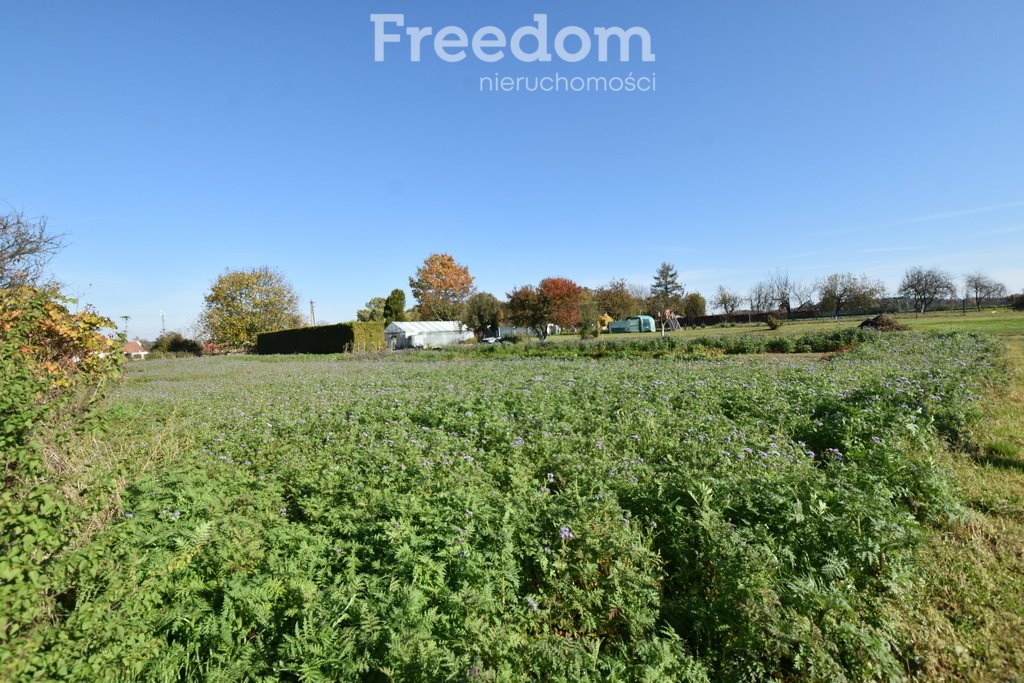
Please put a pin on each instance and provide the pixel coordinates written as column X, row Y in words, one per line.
column 171, row 141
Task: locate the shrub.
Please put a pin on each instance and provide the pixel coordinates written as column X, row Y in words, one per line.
column 775, row 323
column 53, row 365
column 175, row 343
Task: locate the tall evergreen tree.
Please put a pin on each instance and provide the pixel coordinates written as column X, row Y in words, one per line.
column 394, row 307
column 666, row 292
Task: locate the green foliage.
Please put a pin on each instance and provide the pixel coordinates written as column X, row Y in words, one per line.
column 374, row 311
column 54, row 365
column 483, row 314
column 590, row 316
column 373, row 518
column 846, row 292
column 245, row 303
column 175, row 343
column 394, row 307
column 689, row 348
column 617, row 300
column 340, row 338
column 774, row 322
column 529, row 307
column 694, row 306
column 666, row 292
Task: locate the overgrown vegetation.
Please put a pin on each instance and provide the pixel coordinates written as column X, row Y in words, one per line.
column 678, row 346
column 542, row 518
column 53, row 365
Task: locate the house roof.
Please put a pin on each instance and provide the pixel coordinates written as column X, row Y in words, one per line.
column 426, row 326
column 133, row 347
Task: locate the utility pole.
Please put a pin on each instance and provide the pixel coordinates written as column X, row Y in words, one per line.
column 163, row 325
column 312, row 313
column 126, row 318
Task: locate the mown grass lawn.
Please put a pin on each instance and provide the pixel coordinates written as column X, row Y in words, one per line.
column 969, row 616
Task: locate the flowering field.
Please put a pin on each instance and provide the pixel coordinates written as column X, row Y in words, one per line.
column 514, row 518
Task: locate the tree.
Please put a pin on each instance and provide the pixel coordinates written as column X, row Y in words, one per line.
column 694, row 306
column 243, row 303
column 483, row 314
column 174, row 342
column 845, row 291
column 374, row 311
column 760, row 298
column 394, row 307
column 923, row 286
column 441, row 288
column 564, row 296
column 979, row 287
column 529, row 307
column 727, row 301
column 617, row 300
column 803, row 293
column 25, row 249
column 590, row 316
column 666, row 292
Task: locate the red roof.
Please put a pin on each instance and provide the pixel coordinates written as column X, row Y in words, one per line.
column 133, row 347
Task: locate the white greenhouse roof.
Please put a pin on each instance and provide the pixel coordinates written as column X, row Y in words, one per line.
column 426, row 326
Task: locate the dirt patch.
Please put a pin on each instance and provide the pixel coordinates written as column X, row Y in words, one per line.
column 883, row 323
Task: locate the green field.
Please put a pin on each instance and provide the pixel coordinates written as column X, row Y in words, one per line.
column 999, row 321
column 423, row 517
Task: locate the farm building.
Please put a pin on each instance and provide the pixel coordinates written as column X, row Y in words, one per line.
column 429, row 334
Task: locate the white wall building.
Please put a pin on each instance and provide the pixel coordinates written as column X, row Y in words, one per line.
column 429, row 334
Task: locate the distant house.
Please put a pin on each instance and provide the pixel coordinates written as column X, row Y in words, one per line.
column 429, row 334
column 134, row 350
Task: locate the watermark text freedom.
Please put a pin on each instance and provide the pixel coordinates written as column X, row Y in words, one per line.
column 530, row 43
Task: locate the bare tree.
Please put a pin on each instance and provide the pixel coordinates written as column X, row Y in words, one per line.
column 727, row 301
column 803, row 293
column 780, row 289
column 760, row 298
column 641, row 294
column 923, row 286
column 979, row 287
column 845, row 291
column 25, row 249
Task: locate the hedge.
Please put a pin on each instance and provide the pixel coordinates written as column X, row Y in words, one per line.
column 340, row 338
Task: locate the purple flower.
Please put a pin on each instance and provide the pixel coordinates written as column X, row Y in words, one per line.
column 566, row 533
column 532, row 603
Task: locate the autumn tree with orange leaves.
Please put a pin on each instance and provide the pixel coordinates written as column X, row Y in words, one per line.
column 555, row 300
column 565, row 297
column 441, row 288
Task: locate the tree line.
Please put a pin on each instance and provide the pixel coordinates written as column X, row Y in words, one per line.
column 444, row 290
column 243, row 303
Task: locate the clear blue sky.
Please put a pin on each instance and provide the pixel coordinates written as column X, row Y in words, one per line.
column 173, row 140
